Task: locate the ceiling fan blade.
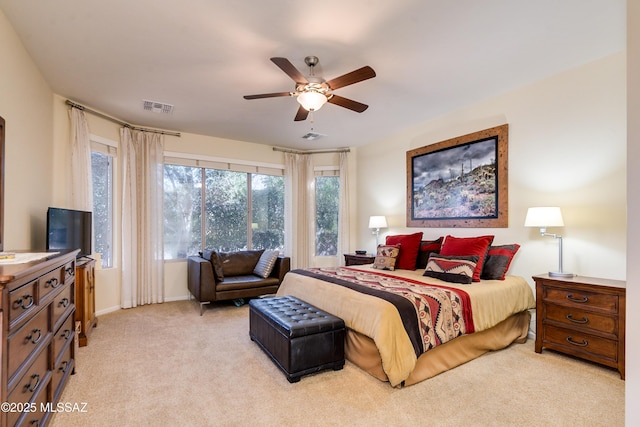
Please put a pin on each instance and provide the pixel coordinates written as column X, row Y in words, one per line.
column 301, row 114
column 285, row 65
column 356, row 106
column 267, row 95
column 356, row 76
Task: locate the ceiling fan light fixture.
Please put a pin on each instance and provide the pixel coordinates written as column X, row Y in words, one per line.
column 312, row 100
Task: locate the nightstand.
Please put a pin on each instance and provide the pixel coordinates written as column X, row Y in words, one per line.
column 583, row 317
column 355, row 259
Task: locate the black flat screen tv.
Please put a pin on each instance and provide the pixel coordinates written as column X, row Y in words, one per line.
column 69, row 229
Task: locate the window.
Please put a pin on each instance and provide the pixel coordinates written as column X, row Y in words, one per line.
column 218, row 209
column 182, row 211
column 327, row 205
column 267, row 212
column 102, row 171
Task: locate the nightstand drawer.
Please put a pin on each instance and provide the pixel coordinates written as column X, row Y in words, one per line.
column 580, row 344
column 589, row 300
column 575, row 318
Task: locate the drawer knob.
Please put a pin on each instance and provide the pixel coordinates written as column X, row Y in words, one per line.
column 31, row 385
column 63, row 366
column 66, row 334
column 64, row 302
column 70, row 271
column 570, row 340
column 24, row 302
column 579, row 300
column 53, row 282
column 34, row 340
column 582, row 321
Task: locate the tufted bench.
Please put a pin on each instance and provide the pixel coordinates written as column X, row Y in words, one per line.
column 298, row 337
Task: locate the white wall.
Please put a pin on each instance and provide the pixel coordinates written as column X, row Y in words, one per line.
column 26, row 106
column 633, row 205
column 567, row 148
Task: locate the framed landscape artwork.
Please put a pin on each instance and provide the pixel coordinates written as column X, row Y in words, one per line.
column 460, row 182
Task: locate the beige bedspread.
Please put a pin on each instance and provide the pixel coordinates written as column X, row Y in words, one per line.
column 492, row 302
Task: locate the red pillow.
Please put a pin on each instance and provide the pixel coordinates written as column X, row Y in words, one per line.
column 409, row 248
column 498, row 261
column 461, row 246
column 427, row 247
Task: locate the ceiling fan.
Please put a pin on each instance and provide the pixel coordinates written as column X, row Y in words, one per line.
column 313, row 92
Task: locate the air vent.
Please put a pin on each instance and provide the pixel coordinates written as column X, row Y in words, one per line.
column 312, row 135
column 157, row 107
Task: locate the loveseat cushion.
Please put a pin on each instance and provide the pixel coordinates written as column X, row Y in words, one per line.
column 265, row 263
column 213, row 256
column 250, row 281
column 239, row 263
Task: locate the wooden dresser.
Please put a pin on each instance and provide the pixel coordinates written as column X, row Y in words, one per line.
column 37, row 325
column 85, row 298
column 583, row 317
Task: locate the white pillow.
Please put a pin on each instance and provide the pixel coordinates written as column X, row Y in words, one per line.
column 265, row 263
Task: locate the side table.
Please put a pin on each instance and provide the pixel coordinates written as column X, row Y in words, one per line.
column 356, row 259
column 582, row 316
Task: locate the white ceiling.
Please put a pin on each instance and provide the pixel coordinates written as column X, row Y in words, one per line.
column 202, row 56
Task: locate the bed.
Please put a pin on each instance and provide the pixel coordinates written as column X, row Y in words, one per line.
column 478, row 317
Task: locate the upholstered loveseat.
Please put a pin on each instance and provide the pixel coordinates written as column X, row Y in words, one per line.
column 217, row 276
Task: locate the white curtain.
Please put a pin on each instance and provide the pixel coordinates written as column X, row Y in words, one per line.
column 299, row 208
column 344, row 229
column 81, row 178
column 142, row 218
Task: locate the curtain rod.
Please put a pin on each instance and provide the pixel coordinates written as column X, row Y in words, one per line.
column 120, row 122
column 290, row 150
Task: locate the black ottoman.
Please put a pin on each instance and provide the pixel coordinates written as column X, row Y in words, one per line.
column 298, row 337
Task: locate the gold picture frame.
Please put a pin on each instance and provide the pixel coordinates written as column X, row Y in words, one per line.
column 460, row 182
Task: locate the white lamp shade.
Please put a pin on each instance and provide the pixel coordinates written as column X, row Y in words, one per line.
column 377, row 222
column 312, row 100
column 544, row 217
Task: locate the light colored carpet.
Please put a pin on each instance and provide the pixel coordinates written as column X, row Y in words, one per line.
column 164, row 365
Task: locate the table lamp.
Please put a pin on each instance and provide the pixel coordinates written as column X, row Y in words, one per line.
column 377, row 222
column 544, row 217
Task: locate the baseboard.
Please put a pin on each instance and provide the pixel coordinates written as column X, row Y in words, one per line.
column 108, row 310
column 117, row 307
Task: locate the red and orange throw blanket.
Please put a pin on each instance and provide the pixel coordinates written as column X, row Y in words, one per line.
column 431, row 314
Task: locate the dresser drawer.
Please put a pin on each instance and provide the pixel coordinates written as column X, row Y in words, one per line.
column 62, row 302
column 33, row 378
column 50, row 282
column 62, row 337
column 32, row 335
column 69, row 271
column 581, row 344
column 36, row 417
column 576, row 318
column 61, row 372
column 21, row 302
column 589, row 300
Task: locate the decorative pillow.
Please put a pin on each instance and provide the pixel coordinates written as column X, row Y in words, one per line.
column 215, row 263
column 498, row 261
column 427, row 247
column 454, row 269
column 468, row 246
column 386, row 257
column 239, row 263
column 409, row 247
column 265, row 263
